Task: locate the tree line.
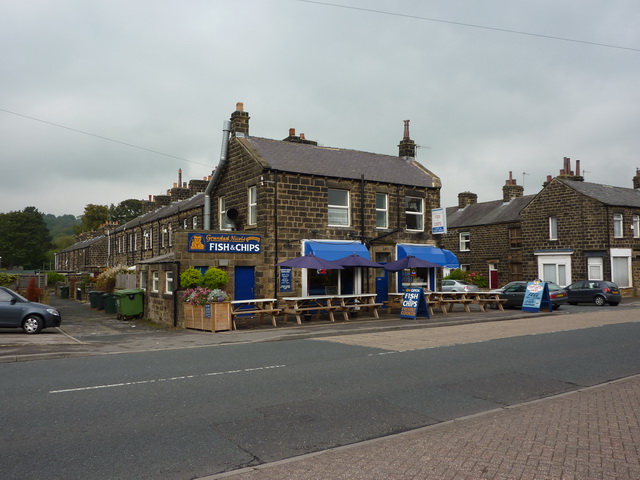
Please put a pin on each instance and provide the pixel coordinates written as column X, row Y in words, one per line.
column 29, row 238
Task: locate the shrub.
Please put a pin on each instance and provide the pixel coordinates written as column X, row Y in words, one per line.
column 33, row 292
column 202, row 295
column 8, row 278
column 106, row 281
column 191, row 278
column 55, row 277
column 215, row 278
column 471, row 277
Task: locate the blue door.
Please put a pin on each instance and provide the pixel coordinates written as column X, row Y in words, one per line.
column 244, row 285
column 382, row 279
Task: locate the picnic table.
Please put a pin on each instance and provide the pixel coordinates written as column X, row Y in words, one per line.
column 482, row 299
column 253, row 307
column 330, row 304
column 357, row 302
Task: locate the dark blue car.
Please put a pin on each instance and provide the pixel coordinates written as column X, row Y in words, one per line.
column 594, row 291
column 18, row 312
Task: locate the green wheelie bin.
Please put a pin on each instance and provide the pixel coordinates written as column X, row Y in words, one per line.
column 109, row 300
column 129, row 303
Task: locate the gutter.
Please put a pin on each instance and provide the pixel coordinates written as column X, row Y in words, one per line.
column 226, row 129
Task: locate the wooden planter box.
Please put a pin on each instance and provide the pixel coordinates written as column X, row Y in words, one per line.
column 212, row 317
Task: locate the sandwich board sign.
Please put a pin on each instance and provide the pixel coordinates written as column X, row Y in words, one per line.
column 414, row 304
column 536, row 297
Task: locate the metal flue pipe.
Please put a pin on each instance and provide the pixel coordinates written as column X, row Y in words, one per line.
column 226, row 133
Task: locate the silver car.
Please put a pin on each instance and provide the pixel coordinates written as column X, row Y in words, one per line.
column 18, row 312
column 458, row 286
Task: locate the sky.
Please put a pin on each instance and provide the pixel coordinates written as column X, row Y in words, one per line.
column 105, row 100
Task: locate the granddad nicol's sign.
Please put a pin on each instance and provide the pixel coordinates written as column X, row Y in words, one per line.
column 224, row 243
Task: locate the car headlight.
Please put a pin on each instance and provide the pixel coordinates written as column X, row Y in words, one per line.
column 53, row 311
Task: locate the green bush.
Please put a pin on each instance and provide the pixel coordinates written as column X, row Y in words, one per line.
column 8, row 278
column 55, row 277
column 471, row 277
column 191, row 278
column 215, row 278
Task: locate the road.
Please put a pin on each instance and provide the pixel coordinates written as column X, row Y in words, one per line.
column 189, row 413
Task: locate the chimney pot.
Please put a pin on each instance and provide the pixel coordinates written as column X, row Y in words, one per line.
column 239, row 107
column 302, row 136
column 292, row 132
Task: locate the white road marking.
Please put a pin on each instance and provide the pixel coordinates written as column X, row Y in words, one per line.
column 170, row 379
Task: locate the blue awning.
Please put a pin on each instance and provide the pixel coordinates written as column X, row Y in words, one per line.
column 335, row 250
column 440, row 256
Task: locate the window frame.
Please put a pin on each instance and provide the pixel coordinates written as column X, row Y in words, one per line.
column 339, row 209
column 419, row 215
column 382, row 213
column 553, row 228
column 464, row 239
column 618, row 225
column 252, row 203
column 168, row 281
column 155, row 281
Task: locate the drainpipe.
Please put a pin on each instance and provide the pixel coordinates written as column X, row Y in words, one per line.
column 175, row 294
column 226, row 129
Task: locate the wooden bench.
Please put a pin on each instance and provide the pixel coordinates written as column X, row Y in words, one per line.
column 255, row 307
column 299, row 305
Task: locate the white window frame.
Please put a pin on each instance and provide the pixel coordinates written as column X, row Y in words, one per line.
column 170, row 232
column 185, row 224
column 168, row 283
column 143, row 279
column 145, row 240
column 418, row 214
column 553, row 228
column 635, row 226
column 252, row 199
column 595, row 268
column 339, row 209
column 618, row 225
column 164, row 236
column 222, row 210
column 561, row 265
column 155, row 281
column 194, row 222
column 616, row 276
column 465, row 241
column 382, row 212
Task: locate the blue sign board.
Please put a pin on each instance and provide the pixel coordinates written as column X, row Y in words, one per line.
column 414, row 304
column 224, row 243
column 285, row 279
column 536, row 297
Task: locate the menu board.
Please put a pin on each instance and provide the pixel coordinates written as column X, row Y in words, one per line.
column 414, row 304
column 536, row 297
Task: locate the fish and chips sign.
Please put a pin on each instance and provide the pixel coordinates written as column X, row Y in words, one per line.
column 224, row 243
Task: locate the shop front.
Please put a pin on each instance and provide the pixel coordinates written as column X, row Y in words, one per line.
column 423, row 277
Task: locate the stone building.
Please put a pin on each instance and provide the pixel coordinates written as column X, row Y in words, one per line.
column 487, row 236
column 272, row 200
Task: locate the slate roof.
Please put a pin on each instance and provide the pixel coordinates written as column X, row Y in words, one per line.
column 339, row 162
column 164, row 212
column 83, row 244
column 608, row 195
column 487, row 213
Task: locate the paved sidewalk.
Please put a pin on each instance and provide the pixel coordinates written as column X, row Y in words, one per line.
column 592, row 433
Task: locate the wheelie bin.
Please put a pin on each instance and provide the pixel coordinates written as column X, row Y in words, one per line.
column 129, row 303
column 64, row 291
column 109, row 300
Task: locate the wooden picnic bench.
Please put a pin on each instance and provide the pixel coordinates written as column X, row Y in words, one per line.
column 255, row 307
column 300, row 305
column 357, row 302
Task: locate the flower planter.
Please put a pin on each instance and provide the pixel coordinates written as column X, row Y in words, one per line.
column 212, row 317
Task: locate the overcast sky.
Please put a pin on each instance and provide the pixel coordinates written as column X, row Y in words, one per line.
column 163, row 76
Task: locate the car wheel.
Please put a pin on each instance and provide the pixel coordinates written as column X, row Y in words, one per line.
column 599, row 300
column 614, row 304
column 32, row 324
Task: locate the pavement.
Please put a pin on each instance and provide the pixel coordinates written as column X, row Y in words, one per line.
column 590, row 433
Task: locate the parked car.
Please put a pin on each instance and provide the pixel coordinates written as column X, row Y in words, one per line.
column 18, row 312
column 594, row 291
column 514, row 294
column 502, row 289
column 458, row 286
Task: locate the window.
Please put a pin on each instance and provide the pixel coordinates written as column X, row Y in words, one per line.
column 185, row 224
column 617, row 225
column 338, row 202
column 150, row 238
column 594, row 268
column 168, row 288
column 554, row 272
column 621, row 266
column 465, row 242
column 635, row 226
column 164, row 236
column 515, row 272
column 135, row 242
column 170, row 231
column 155, row 282
column 515, row 237
column 195, row 222
column 145, row 240
column 224, row 223
column 382, row 210
column 414, row 213
column 143, row 280
column 553, row 228
column 253, row 205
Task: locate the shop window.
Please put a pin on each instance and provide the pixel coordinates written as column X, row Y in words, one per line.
column 617, row 225
column 553, row 228
column 253, row 205
column 465, row 242
column 338, row 203
column 382, row 210
column 414, row 213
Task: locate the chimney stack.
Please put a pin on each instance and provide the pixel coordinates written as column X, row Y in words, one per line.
column 636, row 179
column 407, row 147
column 511, row 189
column 466, row 198
column 240, row 121
column 569, row 174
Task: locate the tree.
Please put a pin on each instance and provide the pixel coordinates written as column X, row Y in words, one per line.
column 126, row 210
column 93, row 217
column 24, row 239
